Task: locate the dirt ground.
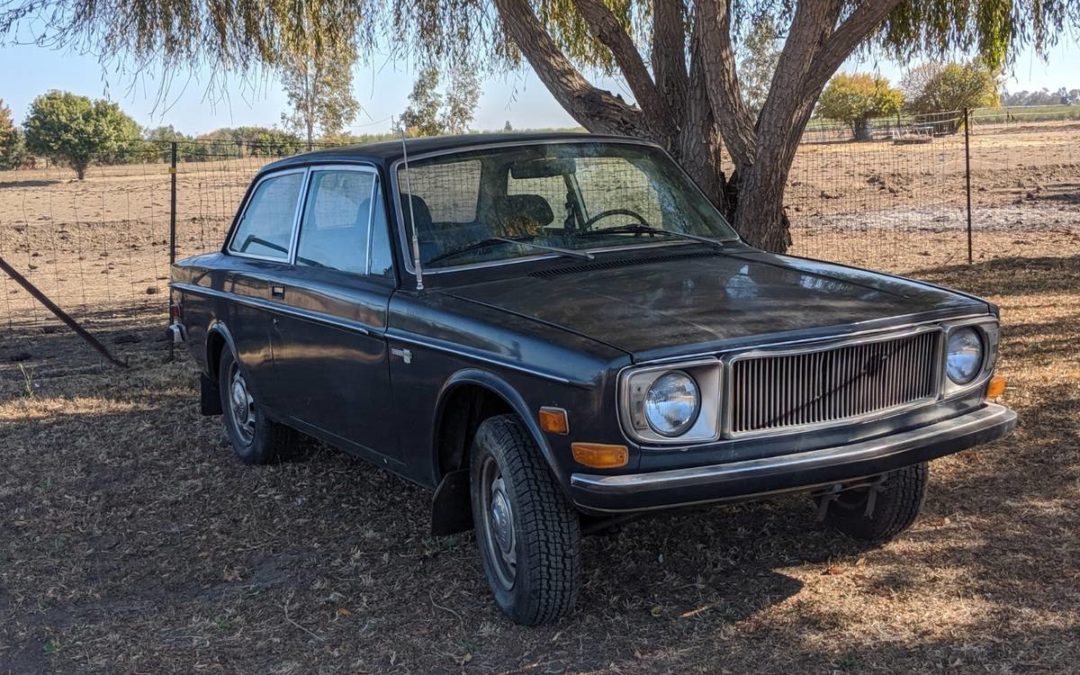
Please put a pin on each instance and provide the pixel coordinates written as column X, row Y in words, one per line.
column 131, row 541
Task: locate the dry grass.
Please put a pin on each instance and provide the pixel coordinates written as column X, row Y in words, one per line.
column 132, row 542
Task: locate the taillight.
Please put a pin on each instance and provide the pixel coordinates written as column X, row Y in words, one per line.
column 176, row 311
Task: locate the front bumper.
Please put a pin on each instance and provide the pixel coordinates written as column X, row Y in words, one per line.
column 788, row 473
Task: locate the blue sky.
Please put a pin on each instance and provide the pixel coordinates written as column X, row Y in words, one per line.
column 381, row 86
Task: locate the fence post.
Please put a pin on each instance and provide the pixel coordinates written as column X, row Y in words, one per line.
column 172, row 203
column 172, row 234
column 967, row 175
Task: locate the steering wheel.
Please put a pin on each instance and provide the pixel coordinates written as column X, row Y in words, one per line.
column 615, row 212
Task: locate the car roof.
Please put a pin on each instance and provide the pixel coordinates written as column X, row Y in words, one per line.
column 387, row 152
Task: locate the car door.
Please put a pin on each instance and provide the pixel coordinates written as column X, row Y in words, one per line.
column 331, row 373
column 260, row 249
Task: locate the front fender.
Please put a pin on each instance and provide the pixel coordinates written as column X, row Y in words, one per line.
column 514, row 400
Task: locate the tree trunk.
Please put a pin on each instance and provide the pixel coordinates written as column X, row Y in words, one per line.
column 80, row 168
column 861, row 128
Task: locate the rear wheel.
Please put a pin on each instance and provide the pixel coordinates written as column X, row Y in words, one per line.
column 528, row 533
column 255, row 439
column 883, row 510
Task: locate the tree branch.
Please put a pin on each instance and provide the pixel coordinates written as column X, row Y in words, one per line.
column 713, row 34
column 844, row 40
column 595, row 109
column 669, row 50
column 607, row 29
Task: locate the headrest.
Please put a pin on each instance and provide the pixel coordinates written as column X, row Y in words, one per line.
column 421, row 214
column 533, row 208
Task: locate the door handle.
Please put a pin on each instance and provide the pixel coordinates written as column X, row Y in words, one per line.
column 277, row 292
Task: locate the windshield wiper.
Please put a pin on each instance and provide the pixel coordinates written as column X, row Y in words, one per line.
column 647, row 229
column 491, row 241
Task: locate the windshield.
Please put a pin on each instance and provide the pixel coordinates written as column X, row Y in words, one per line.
column 528, row 200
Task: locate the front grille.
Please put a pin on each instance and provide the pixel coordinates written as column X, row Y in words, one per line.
column 816, row 387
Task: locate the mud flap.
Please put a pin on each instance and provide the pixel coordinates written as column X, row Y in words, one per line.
column 209, row 397
column 451, row 509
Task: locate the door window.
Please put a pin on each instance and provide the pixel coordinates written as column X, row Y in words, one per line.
column 337, row 229
column 265, row 228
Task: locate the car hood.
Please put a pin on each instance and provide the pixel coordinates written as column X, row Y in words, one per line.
column 669, row 305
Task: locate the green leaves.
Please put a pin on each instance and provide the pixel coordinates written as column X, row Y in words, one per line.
column 74, row 130
column 858, row 97
column 939, row 87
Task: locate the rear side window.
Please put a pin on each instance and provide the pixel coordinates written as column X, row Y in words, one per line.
column 449, row 189
column 265, row 228
column 336, row 231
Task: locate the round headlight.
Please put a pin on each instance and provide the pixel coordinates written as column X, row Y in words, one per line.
column 672, row 403
column 965, row 355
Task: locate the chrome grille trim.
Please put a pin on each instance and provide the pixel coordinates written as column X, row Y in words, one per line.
column 785, row 390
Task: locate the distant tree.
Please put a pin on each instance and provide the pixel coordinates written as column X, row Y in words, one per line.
column 318, row 82
column 245, row 142
column 757, row 58
column 856, row 99
column 421, row 118
column 946, row 87
column 76, row 131
column 461, row 101
column 507, row 128
column 9, row 139
column 432, row 113
column 165, row 134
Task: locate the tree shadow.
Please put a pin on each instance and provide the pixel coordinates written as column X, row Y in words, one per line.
column 29, row 183
column 1009, row 275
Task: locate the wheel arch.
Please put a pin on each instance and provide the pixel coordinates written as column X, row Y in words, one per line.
column 467, row 398
column 218, row 338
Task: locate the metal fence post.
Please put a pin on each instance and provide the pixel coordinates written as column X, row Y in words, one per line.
column 967, row 176
column 172, row 203
column 172, row 233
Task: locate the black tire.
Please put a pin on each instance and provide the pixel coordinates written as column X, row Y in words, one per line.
column 544, row 539
column 897, row 504
column 255, row 439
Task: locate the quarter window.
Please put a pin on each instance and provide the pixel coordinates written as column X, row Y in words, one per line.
column 336, row 231
column 266, row 225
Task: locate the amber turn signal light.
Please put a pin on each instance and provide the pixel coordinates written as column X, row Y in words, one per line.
column 996, row 387
column 600, row 455
column 554, row 421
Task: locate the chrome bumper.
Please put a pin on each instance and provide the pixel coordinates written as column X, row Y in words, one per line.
column 787, row 473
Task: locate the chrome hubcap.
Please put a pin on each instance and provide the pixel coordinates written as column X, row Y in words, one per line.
column 242, row 405
column 499, row 523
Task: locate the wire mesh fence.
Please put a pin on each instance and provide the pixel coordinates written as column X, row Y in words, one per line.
column 100, row 247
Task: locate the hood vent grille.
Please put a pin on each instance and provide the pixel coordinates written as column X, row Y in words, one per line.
column 616, row 263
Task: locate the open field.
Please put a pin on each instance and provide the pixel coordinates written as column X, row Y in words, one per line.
column 132, row 542
column 102, row 244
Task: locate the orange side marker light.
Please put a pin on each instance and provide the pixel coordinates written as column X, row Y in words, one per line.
column 600, row 455
column 996, row 387
column 554, row 421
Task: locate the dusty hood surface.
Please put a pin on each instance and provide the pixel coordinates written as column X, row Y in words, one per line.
column 693, row 303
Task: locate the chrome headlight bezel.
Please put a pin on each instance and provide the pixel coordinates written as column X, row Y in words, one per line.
column 635, row 383
column 988, row 331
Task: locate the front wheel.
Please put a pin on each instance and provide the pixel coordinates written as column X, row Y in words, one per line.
column 255, row 439
column 528, row 533
column 883, row 510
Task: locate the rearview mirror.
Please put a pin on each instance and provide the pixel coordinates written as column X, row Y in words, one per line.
column 543, row 168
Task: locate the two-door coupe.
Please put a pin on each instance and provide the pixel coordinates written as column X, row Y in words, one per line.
column 552, row 329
